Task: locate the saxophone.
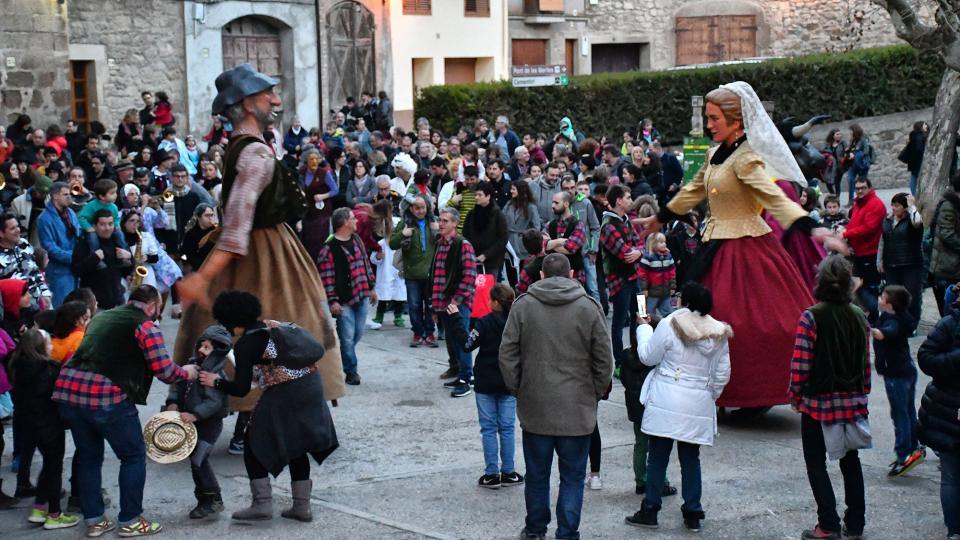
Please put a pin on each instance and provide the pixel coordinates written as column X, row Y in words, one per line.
column 140, row 271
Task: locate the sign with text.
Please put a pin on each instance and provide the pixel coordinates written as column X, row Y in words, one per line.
column 539, row 75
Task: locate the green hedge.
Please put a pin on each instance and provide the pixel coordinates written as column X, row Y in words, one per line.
column 861, row 83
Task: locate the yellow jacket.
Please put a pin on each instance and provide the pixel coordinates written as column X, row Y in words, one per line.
column 736, row 191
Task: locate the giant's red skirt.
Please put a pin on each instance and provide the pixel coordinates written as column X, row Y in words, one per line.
column 757, row 290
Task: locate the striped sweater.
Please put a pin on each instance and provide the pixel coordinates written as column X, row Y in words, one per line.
column 658, row 273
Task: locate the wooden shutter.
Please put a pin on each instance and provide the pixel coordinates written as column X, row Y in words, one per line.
column 416, row 7
column 529, row 51
column 476, row 8
column 703, row 40
column 694, row 40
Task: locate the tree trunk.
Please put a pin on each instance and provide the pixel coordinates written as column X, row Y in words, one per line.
column 934, row 176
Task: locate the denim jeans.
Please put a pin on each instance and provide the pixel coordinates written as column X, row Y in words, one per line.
column 663, row 304
column 418, row 305
column 902, row 394
column 851, row 181
column 120, row 426
column 350, row 325
column 950, row 490
column 498, row 415
column 464, row 359
column 572, row 461
column 912, row 278
column 590, row 269
column 658, row 455
column 913, row 184
column 624, row 306
column 815, row 456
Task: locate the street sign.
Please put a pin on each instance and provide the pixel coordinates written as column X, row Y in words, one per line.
column 527, row 76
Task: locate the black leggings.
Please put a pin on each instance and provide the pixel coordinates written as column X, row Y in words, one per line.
column 595, row 450
column 299, row 466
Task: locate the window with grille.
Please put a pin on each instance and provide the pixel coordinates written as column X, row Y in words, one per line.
column 476, row 8
column 416, row 7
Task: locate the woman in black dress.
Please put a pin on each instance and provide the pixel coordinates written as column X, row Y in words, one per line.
column 290, row 422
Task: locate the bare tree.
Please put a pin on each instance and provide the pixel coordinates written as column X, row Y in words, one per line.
column 940, row 36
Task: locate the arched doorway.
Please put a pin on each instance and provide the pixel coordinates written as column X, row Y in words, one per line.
column 255, row 41
column 350, row 35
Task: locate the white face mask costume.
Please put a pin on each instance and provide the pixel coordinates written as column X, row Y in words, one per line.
column 764, row 137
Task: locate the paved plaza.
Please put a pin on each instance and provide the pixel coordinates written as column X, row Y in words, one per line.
column 410, row 457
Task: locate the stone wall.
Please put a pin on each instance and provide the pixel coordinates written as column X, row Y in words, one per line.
column 888, row 134
column 33, row 38
column 785, row 27
column 142, row 45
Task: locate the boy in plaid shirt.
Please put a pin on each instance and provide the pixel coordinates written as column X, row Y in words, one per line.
column 347, row 278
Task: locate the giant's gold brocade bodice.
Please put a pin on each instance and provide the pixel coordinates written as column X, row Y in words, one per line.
column 736, row 191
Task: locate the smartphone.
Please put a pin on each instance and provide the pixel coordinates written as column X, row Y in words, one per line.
column 642, row 305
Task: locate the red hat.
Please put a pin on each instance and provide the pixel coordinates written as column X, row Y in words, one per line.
column 11, row 291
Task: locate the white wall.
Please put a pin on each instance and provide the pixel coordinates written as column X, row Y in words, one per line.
column 446, row 33
column 204, row 55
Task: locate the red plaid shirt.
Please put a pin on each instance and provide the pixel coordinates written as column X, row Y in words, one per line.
column 833, row 408
column 361, row 275
column 574, row 244
column 463, row 296
column 89, row 390
column 616, row 245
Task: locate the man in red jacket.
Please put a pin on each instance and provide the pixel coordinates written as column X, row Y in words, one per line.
column 863, row 233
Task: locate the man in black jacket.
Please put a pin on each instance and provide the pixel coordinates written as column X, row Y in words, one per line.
column 105, row 282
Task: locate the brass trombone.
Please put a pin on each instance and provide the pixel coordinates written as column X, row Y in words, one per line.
column 167, row 196
column 76, row 190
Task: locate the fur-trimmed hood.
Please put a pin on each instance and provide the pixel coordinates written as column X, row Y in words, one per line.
column 701, row 331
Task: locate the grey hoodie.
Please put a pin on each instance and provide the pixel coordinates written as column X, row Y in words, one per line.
column 203, row 401
column 556, row 358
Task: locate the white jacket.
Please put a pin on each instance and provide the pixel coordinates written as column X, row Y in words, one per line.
column 691, row 359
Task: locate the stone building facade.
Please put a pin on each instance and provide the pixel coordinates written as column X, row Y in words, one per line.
column 34, row 61
column 593, row 36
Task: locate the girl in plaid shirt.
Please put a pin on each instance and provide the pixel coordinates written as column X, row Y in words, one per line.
column 829, row 383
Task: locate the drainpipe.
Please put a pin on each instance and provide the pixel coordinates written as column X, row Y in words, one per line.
column 316, row 4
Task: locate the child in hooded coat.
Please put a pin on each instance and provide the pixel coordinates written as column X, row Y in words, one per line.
column 205, row 407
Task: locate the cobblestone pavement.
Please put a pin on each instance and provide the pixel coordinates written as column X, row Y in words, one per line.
column 410, row 457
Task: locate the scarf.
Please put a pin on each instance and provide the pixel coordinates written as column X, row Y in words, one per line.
column 65, row 217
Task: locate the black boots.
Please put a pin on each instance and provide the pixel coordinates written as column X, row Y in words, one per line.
column 208, row 504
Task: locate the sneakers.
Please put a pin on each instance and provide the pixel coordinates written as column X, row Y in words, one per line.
column 235, row 448
column 454, row 383
column 37, row 516
column 616, row 373
column 352, row 379
column 848, row 536
column 489, row 481
column 524, row 535
column 643, row 518
column 399, row 322
column 692, row 524
column 416, row 342
column 450, row 373
column 817, row 533
column 100, row 528
column 511, row 479
column 374, row 325
column 594, row 482
column 141, row 527
column 431, row 342
column 461, row 391
column 914, row 459
column 63, row 521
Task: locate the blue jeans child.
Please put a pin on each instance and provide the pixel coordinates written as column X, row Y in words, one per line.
column 497, row 417
column 901, row 392
column 662, row 304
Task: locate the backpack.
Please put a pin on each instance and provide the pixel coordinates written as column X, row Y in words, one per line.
column 296, row 348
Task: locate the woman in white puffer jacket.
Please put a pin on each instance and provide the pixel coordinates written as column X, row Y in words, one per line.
column 690, row 359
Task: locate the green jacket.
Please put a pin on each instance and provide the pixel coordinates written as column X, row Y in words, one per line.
column 945, row 259
column 110, row 348
column 416, row 259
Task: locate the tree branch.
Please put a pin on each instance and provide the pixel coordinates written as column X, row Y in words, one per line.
column 941, row 39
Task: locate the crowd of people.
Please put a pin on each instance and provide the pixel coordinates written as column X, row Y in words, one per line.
column 488, row 240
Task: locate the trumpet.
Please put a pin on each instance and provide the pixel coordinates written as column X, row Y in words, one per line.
column 76, row 190
column 3, row 182
column 167, row 196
